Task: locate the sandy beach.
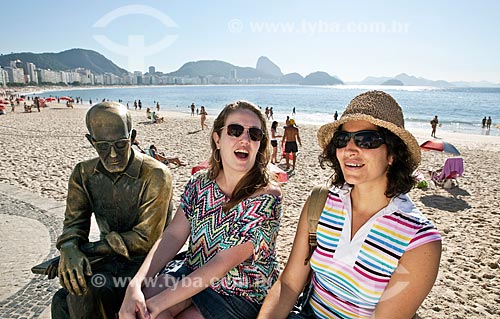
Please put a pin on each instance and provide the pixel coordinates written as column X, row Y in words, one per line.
column 39, row 150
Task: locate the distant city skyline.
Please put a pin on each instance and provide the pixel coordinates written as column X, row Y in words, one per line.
column 446, row 40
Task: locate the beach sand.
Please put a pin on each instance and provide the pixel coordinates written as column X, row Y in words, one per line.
column 39, row 150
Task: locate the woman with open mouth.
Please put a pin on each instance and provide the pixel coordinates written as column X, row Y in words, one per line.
column 230, row 216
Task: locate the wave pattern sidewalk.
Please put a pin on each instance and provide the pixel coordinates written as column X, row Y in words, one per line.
column 26, row 295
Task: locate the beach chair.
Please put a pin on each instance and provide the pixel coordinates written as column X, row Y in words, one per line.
column 447, row 176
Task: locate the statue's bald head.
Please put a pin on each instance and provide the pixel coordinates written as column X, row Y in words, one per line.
column 108, row 114
column 110, row 125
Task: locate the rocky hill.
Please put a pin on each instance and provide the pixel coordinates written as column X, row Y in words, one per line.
column 267, row 66
column 217, row 68
column 321, row 78
column 66, row 60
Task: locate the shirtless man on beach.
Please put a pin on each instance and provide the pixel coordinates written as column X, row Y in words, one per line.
column 291, row 137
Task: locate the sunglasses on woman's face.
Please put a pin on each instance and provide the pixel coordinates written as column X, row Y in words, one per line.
column 362, row 139
column 235, row 130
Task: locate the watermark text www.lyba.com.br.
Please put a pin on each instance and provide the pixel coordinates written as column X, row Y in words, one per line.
column 314, row 27
column 100, row 280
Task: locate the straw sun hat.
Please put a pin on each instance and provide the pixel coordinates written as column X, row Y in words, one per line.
column 378, row 108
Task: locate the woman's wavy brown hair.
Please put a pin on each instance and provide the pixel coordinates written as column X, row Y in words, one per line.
column 258, row 176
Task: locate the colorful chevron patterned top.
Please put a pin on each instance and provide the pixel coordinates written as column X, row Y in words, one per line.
column 351, row 275
column 255, row 219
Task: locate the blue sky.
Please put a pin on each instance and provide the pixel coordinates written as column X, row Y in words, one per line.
column 438, row 40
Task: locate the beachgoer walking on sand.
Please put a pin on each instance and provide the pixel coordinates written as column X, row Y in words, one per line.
column 377, row 256
column 488, row 123
column 291, row 137
column 203, row 117
column 335, row 116
column 274, row 141
column 192, row 109
column 434, row 123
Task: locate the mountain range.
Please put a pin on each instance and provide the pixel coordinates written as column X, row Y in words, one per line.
column 265, row 69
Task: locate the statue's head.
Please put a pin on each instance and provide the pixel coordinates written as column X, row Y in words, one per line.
column 109, row 125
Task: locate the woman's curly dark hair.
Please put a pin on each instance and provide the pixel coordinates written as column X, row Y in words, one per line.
column 399, row 174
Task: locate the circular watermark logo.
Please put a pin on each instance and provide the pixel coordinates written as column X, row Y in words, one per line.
column 135, row 50
column 98, row 280
column 235, row 26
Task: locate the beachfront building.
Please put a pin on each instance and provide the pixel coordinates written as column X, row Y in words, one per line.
column 86, row 76
column 138, row 77
column 128, row 79
column 15, row 75
column 111, row 79
column 4, row 78
column 49, row 76
column 99, row 79
column 152, row 79
column 30, row 72
column 70, row 77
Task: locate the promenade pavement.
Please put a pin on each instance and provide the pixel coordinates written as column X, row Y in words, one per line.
column 29, row 227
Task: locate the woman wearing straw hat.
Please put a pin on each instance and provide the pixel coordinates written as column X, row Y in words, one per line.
column 377, row 255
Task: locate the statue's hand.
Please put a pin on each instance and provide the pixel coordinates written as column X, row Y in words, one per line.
column 52, row 270
column 73, row 267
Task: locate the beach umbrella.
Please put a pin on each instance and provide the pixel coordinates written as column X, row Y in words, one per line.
column 65, row 98
column 50, row 99
column 280, row 174
column 439, row 146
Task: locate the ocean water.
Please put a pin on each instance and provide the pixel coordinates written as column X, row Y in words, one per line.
column 458, row 109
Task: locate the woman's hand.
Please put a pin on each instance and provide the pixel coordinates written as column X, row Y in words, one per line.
column 134, row 304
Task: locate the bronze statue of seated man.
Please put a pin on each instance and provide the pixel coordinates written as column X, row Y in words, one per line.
column 129, row 194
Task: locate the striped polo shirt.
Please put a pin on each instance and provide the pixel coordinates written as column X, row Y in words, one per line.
column 351, row 275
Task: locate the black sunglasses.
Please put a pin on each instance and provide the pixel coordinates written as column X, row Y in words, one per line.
column 235, row 130
column 105, row 145
column 362, row 139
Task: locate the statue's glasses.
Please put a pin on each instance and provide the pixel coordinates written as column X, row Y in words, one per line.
column 105, row 145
